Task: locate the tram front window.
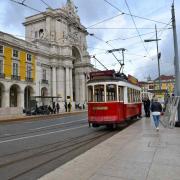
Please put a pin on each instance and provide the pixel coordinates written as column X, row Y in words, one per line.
column 99, row 93
column 90, row 93
column 111, row 93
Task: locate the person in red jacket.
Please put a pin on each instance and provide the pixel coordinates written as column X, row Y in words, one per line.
column 156, row 109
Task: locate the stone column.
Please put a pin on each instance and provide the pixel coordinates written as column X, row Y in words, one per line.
column 6, row 99
column 54, row 80
column 86, row 90
column 82, row 88
column 61, row 82
column 77, row 88
column 20, row 99
column 70, row 83
column 67, row 82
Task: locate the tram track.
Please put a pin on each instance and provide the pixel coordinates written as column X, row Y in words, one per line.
column 53, row 153
column 31, row 131
column 32, row 163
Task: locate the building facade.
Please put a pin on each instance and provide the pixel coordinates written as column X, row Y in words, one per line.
column 51, row 61
column 151, row 87
column 17, row 73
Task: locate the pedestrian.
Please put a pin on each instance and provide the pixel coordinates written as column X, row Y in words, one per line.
column 146, row 103
column 50, row 109
column 69, row 107
column 57, row 107
column 156, row 109
column 65, row 105
column 84, row 106
column 54, row 108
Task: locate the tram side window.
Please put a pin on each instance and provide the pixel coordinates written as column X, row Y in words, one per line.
column 111, row 94
column 129, row 95
column 99, row 93
column 136, row 96
column 132, row 95
column 139, row 96
column 121, row 93
column 90, row 93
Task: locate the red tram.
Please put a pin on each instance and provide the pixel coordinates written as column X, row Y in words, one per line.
column 112, row 98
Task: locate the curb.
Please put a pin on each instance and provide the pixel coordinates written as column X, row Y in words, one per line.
column 37, row 117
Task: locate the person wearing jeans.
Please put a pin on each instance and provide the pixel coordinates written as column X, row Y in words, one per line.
column 156, row 109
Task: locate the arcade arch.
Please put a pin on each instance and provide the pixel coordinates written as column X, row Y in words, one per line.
column 14, row 95
column 28, row 92
column 75, row 83
column 2, row 88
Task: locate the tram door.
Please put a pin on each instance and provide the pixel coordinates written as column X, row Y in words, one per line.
column 121, row 110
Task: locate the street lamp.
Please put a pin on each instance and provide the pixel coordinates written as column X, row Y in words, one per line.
column 158, row 54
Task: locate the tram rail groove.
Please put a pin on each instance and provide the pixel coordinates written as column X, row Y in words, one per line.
column 56, row 153
column 35, row 130
column 74, row 146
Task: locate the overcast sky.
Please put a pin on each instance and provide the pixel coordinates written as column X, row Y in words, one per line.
column 140, row 58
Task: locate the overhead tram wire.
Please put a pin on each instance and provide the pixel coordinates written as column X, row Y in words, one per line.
column 129, row 14
column 46, row 4
column 91, row 34
column 161, row 31
column 131, row 37
column 129, row 28
column 99, row 62
column 136, row 28
column 23, row 4
column 108, row 19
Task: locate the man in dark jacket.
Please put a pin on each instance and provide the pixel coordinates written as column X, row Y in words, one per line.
column 146, row 103
column 156, row 109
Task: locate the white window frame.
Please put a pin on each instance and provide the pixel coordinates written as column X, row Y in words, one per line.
column 44, row 74
column 1, row 60
column 29, row 71
column 28, row 55
column 14, row 62
column 13, row 53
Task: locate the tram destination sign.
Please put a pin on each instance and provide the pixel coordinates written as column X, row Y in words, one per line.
column 96, row 74
column 132, row 79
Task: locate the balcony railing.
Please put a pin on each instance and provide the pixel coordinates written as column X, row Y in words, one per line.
column 15, row 77
column 2, row 75
column 44, row 81
column 28, row 79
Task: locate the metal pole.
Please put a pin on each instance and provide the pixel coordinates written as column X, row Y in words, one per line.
column 176, row 59
column 159, row 74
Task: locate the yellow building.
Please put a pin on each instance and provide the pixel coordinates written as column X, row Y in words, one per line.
column 166, row 83
column 17, row 73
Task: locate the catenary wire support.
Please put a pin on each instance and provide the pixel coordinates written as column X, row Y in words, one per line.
column 121, row 62
column 99, row 62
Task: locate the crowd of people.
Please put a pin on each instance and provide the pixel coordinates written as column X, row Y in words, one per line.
column 56, row 107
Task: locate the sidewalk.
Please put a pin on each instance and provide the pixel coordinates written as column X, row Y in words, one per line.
column 136, row 153
column 35, row 117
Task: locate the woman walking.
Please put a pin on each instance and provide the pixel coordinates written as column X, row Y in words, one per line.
column 156, row 110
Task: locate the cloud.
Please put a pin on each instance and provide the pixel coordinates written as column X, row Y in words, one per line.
column 92, row 11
